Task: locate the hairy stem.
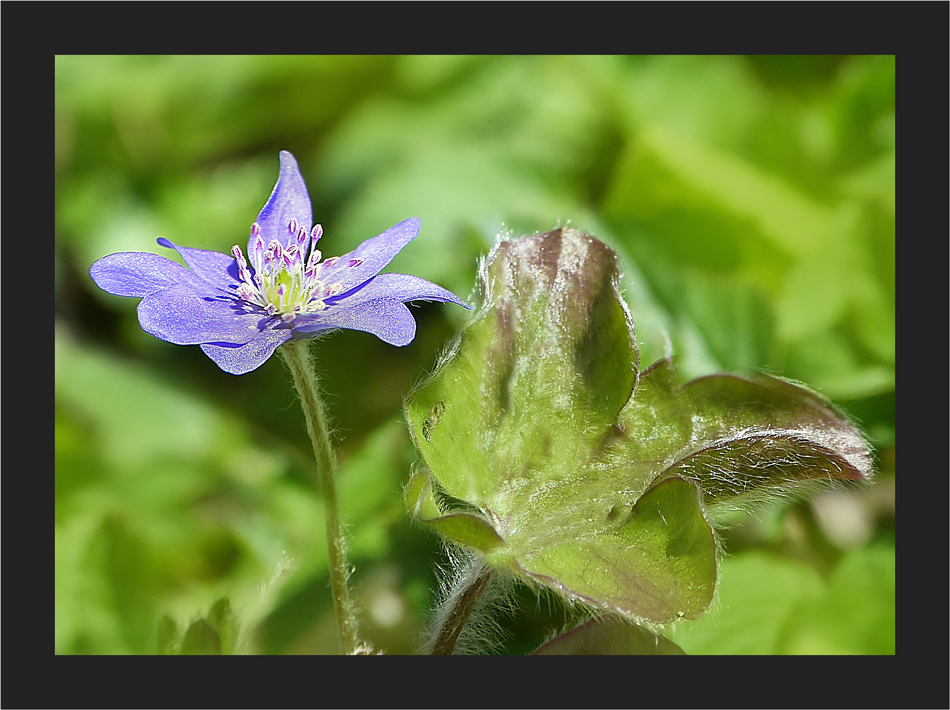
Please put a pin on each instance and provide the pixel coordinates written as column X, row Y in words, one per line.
column 298, row 359
column 460, row 603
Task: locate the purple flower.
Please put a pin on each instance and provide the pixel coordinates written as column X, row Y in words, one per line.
column 239, row 309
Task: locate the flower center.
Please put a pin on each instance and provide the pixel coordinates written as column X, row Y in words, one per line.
column 287, row 281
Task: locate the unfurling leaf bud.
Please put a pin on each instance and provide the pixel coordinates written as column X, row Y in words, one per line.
column 551, row 454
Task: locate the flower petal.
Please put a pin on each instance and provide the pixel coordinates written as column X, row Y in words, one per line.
column 288, row 201
column 388, row 320
column 137, row 274
column 241, row 359
column 214, row 267
column 364, row 262
column 184, row 316
column 397, row 287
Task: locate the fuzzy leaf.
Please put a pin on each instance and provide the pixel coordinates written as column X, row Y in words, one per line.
column 591, row 476
column 658, row 563
column 465, row 528
column 751, row 437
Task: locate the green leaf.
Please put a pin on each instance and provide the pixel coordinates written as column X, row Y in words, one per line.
column 769, row 605
column 521, row 423
column 552, row 455
column 139, row 417
column 658, row 564
column 468, row 529
column 530, row 348
column 201, row 640
column 857, row 614
column 465, row 528
column 609, row 637
column 221, row 619
column 419, row 498
column 667, row 178
column 168, row 639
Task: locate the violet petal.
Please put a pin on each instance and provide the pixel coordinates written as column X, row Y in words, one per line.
column 289, row 201
column 184, row 316
column 364, row 262
column 397, row 287
column 137, row 274
column 214, row 267
column 238, row 360
column 388, row 320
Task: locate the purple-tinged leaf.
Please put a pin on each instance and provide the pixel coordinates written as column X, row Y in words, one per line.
column 655, row 561
column 755, row 437
column 609, row 636
column 595, row 476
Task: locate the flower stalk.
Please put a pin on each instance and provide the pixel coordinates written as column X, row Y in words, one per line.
column 297, row 357
column 461, row 601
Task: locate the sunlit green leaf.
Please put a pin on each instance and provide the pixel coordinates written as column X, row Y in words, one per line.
column 756, row 596
column 667, row 178
column 138, row 417
column 768, row 605
column 857, row 614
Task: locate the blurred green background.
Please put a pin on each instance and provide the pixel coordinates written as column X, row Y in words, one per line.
column 751, row 201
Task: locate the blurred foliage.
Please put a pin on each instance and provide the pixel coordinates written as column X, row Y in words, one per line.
column 751, row 201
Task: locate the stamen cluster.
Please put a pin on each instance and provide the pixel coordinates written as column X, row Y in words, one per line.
column 290, row 280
